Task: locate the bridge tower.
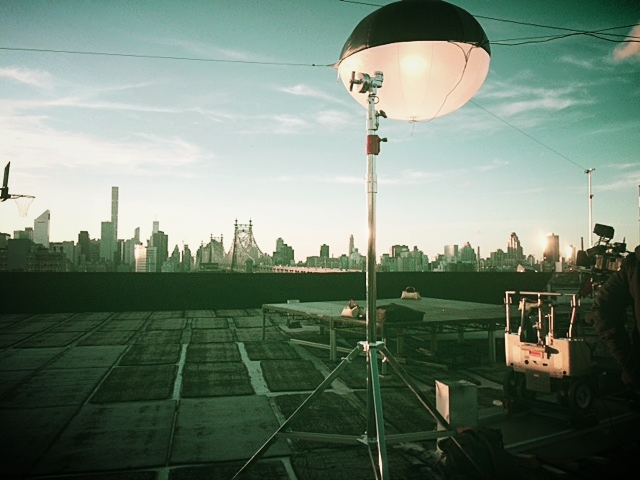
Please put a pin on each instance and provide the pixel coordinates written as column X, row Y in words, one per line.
column 245, row 253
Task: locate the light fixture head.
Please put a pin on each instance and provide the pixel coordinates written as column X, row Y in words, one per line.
column 434, row 56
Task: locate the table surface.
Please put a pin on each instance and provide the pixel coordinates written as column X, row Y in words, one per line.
column 435, row 310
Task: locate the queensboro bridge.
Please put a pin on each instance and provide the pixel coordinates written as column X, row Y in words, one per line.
column 245, row 253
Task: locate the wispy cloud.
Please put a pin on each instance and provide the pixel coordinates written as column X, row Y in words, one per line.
column 510, row 100
column 629, row 50
column 587, row 64
column 104, row 105
column 206, row 50
column 37, row 145
column 302, row 90
column 333, row 118
column 413, row 177
column 35, row 78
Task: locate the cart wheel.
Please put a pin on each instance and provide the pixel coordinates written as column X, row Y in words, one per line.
column 509, row 385
column 580, row 395
column 521, row 388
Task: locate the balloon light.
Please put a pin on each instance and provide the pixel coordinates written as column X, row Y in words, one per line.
column 434, row 56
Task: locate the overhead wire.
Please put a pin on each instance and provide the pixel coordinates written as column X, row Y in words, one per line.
column 572, row 31
column 163, row 57
column 527, row 135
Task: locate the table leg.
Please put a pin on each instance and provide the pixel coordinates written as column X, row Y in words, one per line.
column 491, row 334
column 333, row 344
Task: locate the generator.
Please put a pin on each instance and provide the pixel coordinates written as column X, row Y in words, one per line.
column 544, row 352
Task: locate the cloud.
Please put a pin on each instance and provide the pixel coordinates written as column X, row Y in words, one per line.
column 578, row 62
column 492, row 166
column 510, row 100
column 302, row 90
column 35, row 78
column 630, row 49
column 413, row 177
column 207, row 50
column 545, row 104
column 333, row 118
column 103, row 105
column 349, row 180
column 29, row 140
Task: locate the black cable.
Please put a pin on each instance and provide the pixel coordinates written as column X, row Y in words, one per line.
column 527, row 135
column 162, row 57
column 559, row 37
column 504, row 20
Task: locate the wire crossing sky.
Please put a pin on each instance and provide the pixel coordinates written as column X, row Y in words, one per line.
column 200, row 113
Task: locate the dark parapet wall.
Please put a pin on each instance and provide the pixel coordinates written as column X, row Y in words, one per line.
column 118, row 292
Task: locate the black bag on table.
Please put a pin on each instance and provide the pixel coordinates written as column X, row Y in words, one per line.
column 394, row 313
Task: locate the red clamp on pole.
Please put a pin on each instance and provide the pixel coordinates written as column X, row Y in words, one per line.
column 373, row 144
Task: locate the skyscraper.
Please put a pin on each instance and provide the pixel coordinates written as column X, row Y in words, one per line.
column 41, row 229
column 84, row 244
column 159, row 241
column 114, row 211
column 514, row 249
column 324, row 251
column 552, row 249
column 351, row 246
column 107, row 241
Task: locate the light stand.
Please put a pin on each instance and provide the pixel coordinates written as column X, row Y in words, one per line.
column 374, row 433
column 422, row 46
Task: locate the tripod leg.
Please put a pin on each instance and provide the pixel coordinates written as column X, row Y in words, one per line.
column 374, row 378
column 309, row 400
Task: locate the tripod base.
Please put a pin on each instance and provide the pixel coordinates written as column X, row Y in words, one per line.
column 374, row 435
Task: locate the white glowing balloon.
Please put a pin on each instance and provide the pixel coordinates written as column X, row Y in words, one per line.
column 434, row 57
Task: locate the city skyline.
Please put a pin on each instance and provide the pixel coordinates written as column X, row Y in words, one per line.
column 197, row 145
column 41, row 236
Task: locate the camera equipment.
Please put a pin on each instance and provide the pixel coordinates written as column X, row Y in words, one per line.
column 604, row 256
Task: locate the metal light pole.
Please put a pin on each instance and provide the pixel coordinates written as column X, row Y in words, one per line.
column 375, row 422
column 589, row 172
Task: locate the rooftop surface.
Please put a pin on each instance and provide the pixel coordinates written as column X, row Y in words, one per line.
column 185, row 395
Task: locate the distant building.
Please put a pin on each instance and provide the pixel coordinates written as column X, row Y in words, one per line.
column 398, row 250
column 108, row 243
column 211, row 257
column 160, row 241
column 324, row 251
column 68, row 249
column 173, row 264
column 551, row 253
column 23, row 255
column 26, row 234
column 467, row 254
column 284, row 254
column 451, row 253
column 187, row 259
column 141, row 259
column 83, row 244
column 114, row 211
column 515, row 255
column 41, row 229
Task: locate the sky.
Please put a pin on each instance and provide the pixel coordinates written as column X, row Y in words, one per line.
column 197, row 145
